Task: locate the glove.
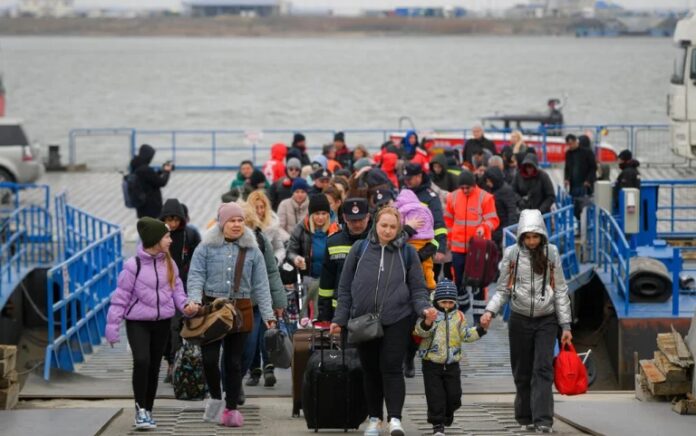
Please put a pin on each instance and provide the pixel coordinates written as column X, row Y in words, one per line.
column 427, row 251
column 325, row 310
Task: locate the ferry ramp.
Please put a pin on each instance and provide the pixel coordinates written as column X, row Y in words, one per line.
column 99, row 193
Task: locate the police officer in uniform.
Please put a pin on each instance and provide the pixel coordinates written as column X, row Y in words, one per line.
column 419, row 183
column 356, row 226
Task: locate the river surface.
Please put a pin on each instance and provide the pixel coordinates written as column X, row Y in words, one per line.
column 58, row 84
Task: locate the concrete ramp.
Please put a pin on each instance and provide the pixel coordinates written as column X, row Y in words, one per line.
column 624, row 417
column 49, row 422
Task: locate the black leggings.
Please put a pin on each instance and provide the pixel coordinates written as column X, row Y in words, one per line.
column 382, row 362
column 445, row 268
column 147, row 340
column 232, row 361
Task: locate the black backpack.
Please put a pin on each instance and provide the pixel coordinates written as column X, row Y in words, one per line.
column 133, row 194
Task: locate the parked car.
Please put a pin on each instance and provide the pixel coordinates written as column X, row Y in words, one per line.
column 19, row 160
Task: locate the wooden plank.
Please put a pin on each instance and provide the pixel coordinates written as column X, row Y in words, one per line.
column 670, row 388
column 642, row 391
column 652, row 374
column 7, row 365
column 685, row 406
column 10, row 378
column 666, row 344
column 671, row 371
column 7, row 351
column 9, row 397
column 682, row 350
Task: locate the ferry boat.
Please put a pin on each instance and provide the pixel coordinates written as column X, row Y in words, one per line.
column 544, row 132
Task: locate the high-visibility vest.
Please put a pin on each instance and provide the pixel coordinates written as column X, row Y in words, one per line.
column 465, row 214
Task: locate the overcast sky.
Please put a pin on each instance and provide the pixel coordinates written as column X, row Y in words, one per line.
column 377, row 4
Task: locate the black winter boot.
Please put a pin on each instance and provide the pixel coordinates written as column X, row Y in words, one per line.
column 269, row 379
column 254, row 376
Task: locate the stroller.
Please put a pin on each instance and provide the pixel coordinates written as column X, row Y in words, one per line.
column 296, row 292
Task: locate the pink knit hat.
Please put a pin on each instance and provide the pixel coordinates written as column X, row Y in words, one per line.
column 227, row 211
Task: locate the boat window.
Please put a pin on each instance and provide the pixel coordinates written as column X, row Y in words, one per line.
column 679, row 63
column 12, row 135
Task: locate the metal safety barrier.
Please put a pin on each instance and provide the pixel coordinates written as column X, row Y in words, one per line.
column 612, row 251
column 78, row 288
column 26, row 235
column 676, row 207
column 224, row 149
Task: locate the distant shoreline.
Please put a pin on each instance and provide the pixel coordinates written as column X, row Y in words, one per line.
column 281, row 26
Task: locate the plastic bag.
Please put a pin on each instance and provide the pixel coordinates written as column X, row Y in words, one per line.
column 570, row 375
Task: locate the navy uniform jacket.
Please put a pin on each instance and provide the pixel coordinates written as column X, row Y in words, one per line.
column 337, row 249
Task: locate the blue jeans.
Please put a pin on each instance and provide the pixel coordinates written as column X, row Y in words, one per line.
column 255, row 348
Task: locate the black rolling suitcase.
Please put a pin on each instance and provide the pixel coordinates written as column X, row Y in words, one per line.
column 332, row 390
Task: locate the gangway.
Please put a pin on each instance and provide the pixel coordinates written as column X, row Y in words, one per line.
column 26, row 235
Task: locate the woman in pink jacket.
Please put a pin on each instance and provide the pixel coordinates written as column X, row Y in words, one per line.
column 148, row 290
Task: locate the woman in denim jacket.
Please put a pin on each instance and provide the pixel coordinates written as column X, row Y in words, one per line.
column 212, row 276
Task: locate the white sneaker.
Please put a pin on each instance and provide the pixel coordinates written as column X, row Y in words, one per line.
column 374, row 427
column 395, row 427
column 213, row 410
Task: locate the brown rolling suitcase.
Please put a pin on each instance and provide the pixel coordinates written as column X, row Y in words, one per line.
column 304, row 341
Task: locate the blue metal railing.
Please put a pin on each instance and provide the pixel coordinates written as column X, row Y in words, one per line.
column 221, row 148
column 78, row 289
column 26, row 235
column 612, row 253
column 560, row 225
column 678, row 219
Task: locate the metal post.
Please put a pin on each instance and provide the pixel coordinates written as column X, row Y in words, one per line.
column 676, row 261
column 173, row 146
column 543, row 148
column 671, row 213
column 71, row 148
column 214, row 147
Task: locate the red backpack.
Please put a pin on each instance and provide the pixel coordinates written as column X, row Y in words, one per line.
column 570, row 375
column 481, row 262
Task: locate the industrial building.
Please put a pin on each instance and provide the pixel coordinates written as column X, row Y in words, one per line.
column 213, row 8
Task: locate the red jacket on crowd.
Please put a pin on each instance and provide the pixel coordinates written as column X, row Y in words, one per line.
column 274, row 169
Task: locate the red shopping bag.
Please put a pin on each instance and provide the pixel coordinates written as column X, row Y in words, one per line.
column 570, row 375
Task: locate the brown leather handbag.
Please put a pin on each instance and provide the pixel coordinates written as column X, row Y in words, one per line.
column 213, row 323
column 223, row 316
column 244, row 309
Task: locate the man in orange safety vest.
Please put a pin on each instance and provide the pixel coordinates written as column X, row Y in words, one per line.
column 470, row 211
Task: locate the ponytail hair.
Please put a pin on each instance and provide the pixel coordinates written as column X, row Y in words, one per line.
column 171, row 274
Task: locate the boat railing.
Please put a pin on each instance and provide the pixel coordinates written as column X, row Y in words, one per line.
column 676, row 207
column 26, row 234
column 224, row 149
column 78, row 289
column 611, row 251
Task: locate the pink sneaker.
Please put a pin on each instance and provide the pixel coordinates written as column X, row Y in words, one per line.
column 232, row 418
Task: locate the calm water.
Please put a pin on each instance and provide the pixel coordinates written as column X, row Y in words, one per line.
column 56, row 84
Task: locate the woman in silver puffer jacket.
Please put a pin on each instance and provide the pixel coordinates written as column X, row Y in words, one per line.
column 531, row 278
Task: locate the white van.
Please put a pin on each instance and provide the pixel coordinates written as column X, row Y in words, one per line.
column 19, row 161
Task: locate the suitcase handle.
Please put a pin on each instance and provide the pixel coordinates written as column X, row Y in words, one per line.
column 342, row 347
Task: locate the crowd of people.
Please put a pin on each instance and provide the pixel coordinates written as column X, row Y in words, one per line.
column 384, row 233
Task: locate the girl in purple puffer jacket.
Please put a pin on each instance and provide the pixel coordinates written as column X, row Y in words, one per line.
column 148, row 290
column 418, row 222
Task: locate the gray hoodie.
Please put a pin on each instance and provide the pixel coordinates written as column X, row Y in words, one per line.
column 529, row 299
column 381, row 269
